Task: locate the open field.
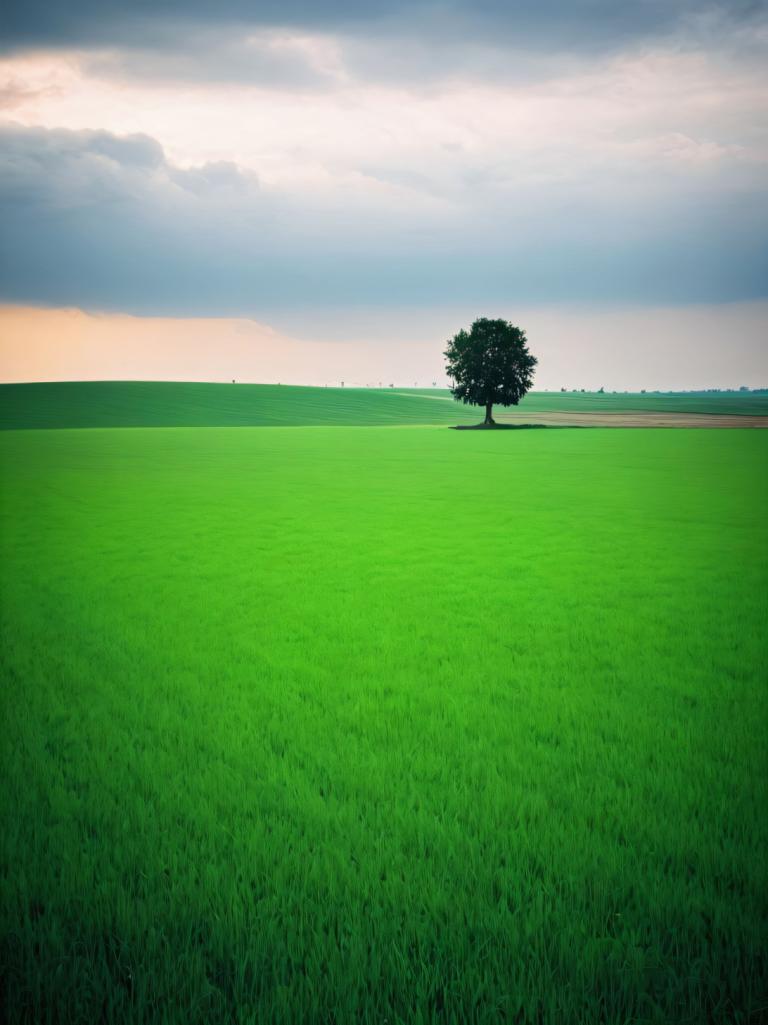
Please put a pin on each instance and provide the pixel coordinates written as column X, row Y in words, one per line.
column 719, row 403
column 176, row 404
column 375, row 725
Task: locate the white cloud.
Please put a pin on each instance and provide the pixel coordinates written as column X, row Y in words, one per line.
column 629, row 115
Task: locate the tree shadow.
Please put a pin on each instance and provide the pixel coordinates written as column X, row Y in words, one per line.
column 513, row 427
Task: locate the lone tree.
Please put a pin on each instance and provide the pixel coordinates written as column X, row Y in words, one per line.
column 490, row 365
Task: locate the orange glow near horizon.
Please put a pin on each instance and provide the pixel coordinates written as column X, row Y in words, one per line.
column 665, row 348
column 70, row 344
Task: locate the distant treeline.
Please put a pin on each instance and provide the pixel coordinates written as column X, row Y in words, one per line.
column 743, row 390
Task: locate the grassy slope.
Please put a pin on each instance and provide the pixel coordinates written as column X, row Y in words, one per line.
column 162, row 404
column 386, row 725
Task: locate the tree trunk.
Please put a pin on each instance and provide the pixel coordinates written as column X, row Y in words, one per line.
column 489, row 413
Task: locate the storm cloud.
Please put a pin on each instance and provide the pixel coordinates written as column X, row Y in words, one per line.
column 592, row 23
column 111, row 223
column 398, row 40
column 188, row 159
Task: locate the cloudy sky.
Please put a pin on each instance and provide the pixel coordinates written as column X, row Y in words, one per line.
column 309, row 191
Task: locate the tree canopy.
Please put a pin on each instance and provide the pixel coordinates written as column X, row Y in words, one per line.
column 490, row 365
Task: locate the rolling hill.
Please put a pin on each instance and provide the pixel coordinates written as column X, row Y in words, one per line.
column 175, row 404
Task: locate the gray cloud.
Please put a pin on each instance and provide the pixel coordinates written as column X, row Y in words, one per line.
column 154, row 24
column 60, row 170
column 98, row 221
column 405, row 42
column 213, row 55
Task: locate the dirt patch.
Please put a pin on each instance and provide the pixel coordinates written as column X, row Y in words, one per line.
column 520, row 419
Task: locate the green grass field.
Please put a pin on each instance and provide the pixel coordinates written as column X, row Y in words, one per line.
column 174, row 404
column 384, row 726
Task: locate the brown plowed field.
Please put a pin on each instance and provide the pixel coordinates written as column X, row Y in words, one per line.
column 629, row 419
